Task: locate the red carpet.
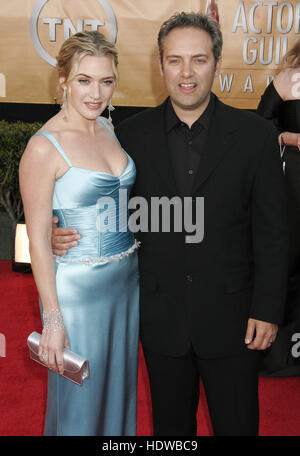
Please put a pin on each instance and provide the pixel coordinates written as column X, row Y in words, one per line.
column 23, row 382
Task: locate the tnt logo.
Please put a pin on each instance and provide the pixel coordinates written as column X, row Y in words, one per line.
column 2, row 85
column 2, row 346
column 100, row 10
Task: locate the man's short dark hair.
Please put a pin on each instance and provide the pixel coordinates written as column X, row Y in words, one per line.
column 196, row 20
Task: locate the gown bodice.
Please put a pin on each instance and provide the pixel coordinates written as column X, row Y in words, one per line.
column 95, row 203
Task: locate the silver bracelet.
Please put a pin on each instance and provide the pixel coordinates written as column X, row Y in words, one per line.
column 53, row 320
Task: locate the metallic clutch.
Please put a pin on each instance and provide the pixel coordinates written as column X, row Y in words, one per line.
column 76, row 367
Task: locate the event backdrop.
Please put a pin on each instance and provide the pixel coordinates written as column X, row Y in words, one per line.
column 256, row 34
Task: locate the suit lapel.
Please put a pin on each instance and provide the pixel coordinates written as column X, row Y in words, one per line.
column 157, row 148
column 220, row 139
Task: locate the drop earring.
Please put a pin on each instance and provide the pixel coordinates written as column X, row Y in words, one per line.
column 110, row 109
column 64, row 104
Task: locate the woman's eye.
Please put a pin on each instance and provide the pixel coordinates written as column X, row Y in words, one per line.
column 108, row 82
column 83, row 81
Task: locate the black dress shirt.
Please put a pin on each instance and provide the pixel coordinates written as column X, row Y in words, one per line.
column 185, row 145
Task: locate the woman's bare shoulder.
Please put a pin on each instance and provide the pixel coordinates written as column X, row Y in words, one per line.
column 108, row 122
column 39, row 148
column 55, row 125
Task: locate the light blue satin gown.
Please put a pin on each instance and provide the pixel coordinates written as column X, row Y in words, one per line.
column 98, row 294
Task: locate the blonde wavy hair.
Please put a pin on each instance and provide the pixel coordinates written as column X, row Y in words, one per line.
column 80, row 45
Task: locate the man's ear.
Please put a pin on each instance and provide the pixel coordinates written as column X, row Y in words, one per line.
column 218, row 66
column 160, row 65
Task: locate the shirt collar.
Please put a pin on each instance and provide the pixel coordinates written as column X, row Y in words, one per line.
column 171, row 118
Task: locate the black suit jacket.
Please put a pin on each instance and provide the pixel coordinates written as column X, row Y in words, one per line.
column 203, row 294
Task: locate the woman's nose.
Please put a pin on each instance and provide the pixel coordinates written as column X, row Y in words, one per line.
column 95, row 91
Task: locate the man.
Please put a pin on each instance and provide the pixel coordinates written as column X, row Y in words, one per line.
column 207, row 308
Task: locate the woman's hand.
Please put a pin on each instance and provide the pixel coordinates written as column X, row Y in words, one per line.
column 288, row 138
column 51, row 348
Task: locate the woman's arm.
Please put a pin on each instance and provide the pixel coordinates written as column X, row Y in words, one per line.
column 37, row 177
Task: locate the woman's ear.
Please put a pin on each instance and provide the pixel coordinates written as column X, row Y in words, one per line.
column 62, row 82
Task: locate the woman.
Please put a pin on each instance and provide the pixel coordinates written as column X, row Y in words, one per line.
column 281, row 104
column 89, row 296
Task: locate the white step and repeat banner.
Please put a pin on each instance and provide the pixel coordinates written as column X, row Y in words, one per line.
column 256, row 34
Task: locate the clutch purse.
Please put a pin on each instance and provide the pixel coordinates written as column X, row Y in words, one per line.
column 76, row 368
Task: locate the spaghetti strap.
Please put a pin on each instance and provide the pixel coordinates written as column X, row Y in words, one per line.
column 55, row 144
column 108, row 128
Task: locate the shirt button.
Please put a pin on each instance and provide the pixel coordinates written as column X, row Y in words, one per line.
column 189, row 278
column 191, row 171
column 190, row 142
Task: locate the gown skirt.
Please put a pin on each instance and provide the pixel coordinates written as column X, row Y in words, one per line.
column 99, row 304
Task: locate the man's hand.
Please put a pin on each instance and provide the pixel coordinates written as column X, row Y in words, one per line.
column 265, row 333
column 63, row 238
